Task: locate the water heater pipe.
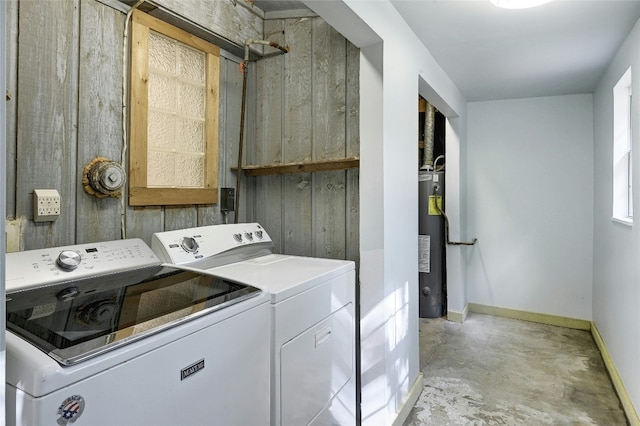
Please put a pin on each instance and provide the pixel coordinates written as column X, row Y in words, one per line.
column 429, row 132
column 446, row 228
column 125, row 123
column 244, row 67
column 435, row 163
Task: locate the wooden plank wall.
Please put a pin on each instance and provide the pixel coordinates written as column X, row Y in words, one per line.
column 47, row 111
column 64, row 108
column 99, row 116
column 307, row 109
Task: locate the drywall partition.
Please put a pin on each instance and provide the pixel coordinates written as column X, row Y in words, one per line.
column 393, row 62
column 616, row 267
column 3, row 185
column 530, row 197
column 453, row 209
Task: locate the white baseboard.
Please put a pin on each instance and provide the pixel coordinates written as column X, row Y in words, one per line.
column 458, row 316
column 625, row 400
column 567, row 322
column 409, row 401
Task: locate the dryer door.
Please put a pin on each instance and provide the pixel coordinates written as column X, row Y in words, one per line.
column 315, row 366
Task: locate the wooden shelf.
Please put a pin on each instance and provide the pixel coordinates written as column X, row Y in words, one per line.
column 306, row 167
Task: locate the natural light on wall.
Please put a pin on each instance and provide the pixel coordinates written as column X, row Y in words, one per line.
column 622, row 154
column 518, row 4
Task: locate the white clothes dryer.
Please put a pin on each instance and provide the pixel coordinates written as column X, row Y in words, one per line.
column 312, row 316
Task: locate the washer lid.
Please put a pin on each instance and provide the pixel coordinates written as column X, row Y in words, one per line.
column 83, row 322
column 283, row 275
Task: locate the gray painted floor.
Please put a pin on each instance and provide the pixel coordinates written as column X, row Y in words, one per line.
column 499, row 371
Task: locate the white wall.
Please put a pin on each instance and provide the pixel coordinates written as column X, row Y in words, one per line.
column 454, row 181
column 616, row 268
column 3, row 192
column 530, row 198
column 395, row 68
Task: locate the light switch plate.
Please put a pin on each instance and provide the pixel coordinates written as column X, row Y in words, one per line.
column 46, row 205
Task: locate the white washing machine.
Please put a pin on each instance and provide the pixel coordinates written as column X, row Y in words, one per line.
column 103, row 334
column 312, row 311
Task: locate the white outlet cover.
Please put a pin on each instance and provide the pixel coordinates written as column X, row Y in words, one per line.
column 46, row 205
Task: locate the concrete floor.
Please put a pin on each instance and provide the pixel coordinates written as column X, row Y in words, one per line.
column 499, row 371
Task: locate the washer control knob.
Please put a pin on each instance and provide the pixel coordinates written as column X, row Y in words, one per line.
column 248, row 236
column 189, row 244
column 259, row 234
column 237, row 237
column 68, row 294
column 68, row 260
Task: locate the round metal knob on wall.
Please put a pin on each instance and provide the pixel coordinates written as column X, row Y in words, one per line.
column 104, row 178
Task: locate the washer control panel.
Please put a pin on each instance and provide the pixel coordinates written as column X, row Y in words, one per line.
column 212, row 245
column 38, row 268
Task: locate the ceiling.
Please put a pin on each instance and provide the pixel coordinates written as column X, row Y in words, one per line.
column 559, row 48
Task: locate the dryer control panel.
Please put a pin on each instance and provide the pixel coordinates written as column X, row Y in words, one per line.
column 210, row 246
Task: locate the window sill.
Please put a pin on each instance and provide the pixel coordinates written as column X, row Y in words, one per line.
column 624, row 221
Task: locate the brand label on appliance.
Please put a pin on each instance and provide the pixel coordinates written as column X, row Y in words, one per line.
column 424, row 253
column 192, row 369
column 70, row 410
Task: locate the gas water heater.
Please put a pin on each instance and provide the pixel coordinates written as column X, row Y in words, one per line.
column 431, row 254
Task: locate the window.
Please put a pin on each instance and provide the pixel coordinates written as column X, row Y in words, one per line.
column 622, row 151
column 173, row 155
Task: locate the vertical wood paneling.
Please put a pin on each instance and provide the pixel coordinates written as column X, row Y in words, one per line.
column 309, row 101
column 11, row 20
column 329, row 129
column 143, row 222
column 268, row 136
column 234, row 77
column 231, row 21
column 298, row 132
column 353, row 149
column 180, row 217
column 99, row 115
column 301, row 106
column 229, row 119
column 47, row 111
column 248, row 212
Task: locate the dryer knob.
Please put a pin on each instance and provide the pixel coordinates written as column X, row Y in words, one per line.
column 68, row 260
column 189, row 244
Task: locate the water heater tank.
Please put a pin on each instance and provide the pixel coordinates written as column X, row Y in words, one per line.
column 431, row 263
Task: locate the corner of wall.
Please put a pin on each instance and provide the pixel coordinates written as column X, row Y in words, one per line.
column 459, row 317
column 621, row 390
